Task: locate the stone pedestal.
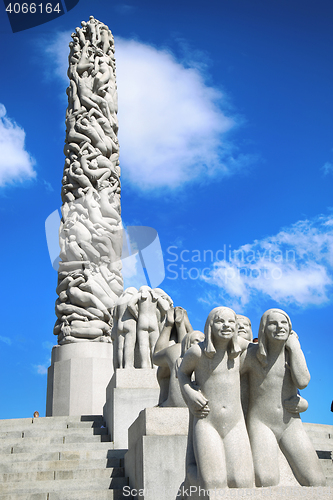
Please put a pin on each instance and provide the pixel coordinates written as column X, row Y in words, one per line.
column 155, row 461
column 78, row 377
column 129, row 392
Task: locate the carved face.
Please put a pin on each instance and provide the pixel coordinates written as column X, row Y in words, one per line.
column 277, row 326
column 244, row 327
column 224, row 325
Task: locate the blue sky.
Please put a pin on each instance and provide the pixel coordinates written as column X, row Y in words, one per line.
column 226, row 136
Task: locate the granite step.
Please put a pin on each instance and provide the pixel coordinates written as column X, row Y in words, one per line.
column 62, row 474
column 44, row 432
column 52, row 422
column 113, row 457
column 55, row 465
column 27, row 447
column 116, row 494
column 62, row 485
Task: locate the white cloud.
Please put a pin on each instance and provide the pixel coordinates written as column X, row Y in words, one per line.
column 172, row 128
column 16, row 164
column 171, row 125
column 293, row 267
column 40, row 369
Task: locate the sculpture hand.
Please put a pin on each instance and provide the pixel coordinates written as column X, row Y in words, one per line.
column 170, row 317
column 296, row 404
column 198, row 404
column 293, row 342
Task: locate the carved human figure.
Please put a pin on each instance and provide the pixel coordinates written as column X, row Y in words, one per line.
column 168, row 350
column 145, row 306
column 244, row 327
column 277, row 368
column 90, row 235
column 219, row 453
column 125, row 330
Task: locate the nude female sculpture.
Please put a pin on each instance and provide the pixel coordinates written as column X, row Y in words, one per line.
column 277, row 368
column 221, row 453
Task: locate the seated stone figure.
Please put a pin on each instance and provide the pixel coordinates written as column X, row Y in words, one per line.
column 276, row 367
column 218, row 453
column 168, row 351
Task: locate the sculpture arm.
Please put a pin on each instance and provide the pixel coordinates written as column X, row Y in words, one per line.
column 195, row 400
column 159, row 356
column 132, row 306
column 298, row 368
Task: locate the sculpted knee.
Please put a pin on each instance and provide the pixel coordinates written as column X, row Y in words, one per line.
column 267, row 478
column 314, row 478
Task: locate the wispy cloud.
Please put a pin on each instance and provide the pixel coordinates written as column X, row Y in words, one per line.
column 40, row 369
column 294, row 267
column 6, row 340
column 327, row 168
column 173, row 127
column 16, row 164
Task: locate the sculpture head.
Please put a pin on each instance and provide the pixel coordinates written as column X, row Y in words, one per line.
column 191, row 338
column 274, row 324
column 244, row 327
column 221, row 323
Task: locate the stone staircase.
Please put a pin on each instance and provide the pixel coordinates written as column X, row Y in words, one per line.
column 59, row 458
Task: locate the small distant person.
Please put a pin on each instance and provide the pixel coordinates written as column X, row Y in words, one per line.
column 36, row 414
column 255, row 340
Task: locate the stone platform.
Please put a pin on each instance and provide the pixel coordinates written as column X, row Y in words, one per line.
column 78, row 377
column 155, row 461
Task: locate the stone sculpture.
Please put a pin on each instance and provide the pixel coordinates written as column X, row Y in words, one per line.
column 90, row 280
column 218, row 452
column 244, row 327
column 176, row 338
column 276, row 367
column 138, row 320
column 125, row 330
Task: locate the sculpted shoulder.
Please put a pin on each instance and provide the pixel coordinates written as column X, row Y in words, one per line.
column 248, row 357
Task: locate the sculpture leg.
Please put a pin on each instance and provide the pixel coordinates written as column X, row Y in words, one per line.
column 120, row 349
column 299, row 451
column 265, row 454
column 209, row 455
column 129, row 348
column 239, row 457
column 153, row 336
column 144, row 354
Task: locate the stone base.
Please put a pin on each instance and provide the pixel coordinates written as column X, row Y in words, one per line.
column 129, row 392
column 78, row 377
column 155, row 463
